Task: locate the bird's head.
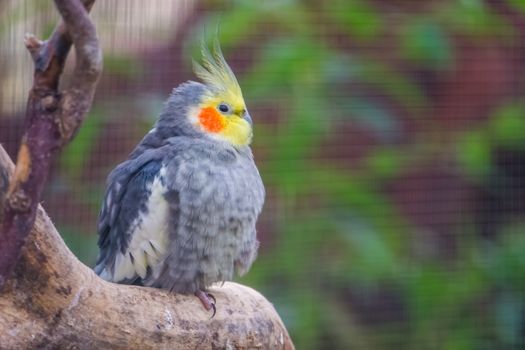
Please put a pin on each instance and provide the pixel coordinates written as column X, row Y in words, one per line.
column 214, row 109
column 221, row 113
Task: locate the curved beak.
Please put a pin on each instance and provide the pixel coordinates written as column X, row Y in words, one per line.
column 246, row 116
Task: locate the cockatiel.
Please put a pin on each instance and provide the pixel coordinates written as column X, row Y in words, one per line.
column 180, row 212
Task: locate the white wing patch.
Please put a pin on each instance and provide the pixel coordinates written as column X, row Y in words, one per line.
column 149, row 239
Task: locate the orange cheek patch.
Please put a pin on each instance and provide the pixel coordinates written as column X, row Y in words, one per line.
column 211, row 120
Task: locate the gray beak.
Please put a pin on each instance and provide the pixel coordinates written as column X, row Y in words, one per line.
column 247, row 117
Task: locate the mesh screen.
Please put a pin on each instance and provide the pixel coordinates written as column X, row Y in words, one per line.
column 390, row 135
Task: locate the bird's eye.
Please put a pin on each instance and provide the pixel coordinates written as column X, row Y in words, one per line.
column 224, row 108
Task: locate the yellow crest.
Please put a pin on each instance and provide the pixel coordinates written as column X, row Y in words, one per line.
column 215, row 72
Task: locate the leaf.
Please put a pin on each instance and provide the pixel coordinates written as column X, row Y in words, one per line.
column 427, row 43
column 356, row 17
column 475, row 153
column 84, row 246
column 395, row 84
column 283, row 64
column 475, row 18
column 518, row 5
column 386, row 163
column 77, row 152
column 507, row 126
column 126, row 66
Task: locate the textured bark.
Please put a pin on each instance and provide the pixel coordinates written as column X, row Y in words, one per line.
column 52, row 120
column 54, row 301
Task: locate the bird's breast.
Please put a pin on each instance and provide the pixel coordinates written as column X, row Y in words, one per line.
column 223, row 192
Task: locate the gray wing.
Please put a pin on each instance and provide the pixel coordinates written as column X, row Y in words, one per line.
column 123, row 240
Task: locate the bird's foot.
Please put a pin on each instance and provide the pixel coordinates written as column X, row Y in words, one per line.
column 207, row 300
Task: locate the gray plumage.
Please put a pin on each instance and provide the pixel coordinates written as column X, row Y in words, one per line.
column 180, row 213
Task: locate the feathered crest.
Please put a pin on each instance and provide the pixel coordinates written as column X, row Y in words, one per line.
column 214, row 71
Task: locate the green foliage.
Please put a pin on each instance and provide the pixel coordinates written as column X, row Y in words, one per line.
column 518, row 4
column 504, row 130
column 84, row 246
column 427, row 43
column 17, row 11
column 472, row 17
column 125, row 66
column 475, row 153
column 386, row 163
column 356, row 17
column 507, row 126
column 75, row 155
column 354, row 236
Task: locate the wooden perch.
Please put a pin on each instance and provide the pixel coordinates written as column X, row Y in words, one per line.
column 53, row 301
column 50, row 300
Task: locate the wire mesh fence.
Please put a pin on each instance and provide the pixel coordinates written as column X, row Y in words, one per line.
column 389, row 135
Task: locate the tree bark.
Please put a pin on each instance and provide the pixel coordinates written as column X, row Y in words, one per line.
column 53, row 301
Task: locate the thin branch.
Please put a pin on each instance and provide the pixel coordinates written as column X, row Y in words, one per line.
column 52, row 120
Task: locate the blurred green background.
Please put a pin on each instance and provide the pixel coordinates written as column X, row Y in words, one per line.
column 390, row 135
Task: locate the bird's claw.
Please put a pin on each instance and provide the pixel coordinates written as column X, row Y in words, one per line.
column 214, row 310
column 207, row 300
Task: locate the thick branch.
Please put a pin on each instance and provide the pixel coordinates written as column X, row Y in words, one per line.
column 53, row 301
column 52, row 119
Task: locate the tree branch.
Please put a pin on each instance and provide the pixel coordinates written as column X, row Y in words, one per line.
column 52, row 120
column 54, row 301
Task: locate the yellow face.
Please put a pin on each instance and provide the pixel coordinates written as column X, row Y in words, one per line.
column 224, row 119
column 222, row 112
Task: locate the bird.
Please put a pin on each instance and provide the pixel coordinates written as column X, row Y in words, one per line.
column 180, row 212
